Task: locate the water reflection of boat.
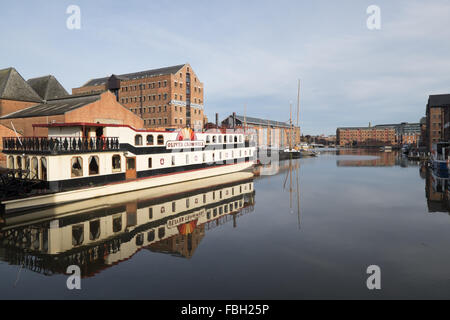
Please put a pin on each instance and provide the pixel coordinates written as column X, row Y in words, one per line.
column 99, row 234
column 437, row 193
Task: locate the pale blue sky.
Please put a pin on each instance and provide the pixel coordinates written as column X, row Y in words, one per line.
column 249, row 52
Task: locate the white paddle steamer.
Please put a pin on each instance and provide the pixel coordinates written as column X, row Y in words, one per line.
column 79, row 161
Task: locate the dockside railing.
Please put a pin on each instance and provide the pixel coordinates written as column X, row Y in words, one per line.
column 57, row 145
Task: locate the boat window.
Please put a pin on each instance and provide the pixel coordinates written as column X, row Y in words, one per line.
column 240, row 138
column 77, row 235
column 77, row 167
column 174, row 206
column 94, row 230
column 138, row 140
column 214, row 139
column 151, row 236
column 150, row 140
column 27, row 163
column 235, row 139
column 161, row 232
column 43, row 169
column 116, row 165
column 93, row 165
column 34, row 168
column 225, row 139
column 173, row 160
column 160, row 140
column 11, row 162
column 150, row 163
column 204, row 198
column 140, row 239
column 187, row 159
column 187, row 203
column 117, row 224
column 220, row 139
column 150, row 213
column 208, row 139
column 204, row 157
column 215, row 212
column 19, row 162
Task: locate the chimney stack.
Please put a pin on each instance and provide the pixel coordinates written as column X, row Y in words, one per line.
column 217, row 119
column 234, row 120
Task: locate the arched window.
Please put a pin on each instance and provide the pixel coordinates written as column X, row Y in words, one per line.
column 208, row 139
column 160, row 140
column 94, row 230
column 220, row 139
column 34, row 168
column 138, row 140
column 116, row 163
column 150, row 140
column 77, row 167
column 93, row 165
column 77, row 235
column 236, row 138
column 19, row 163
column 214, row 139
column 225, row 139
column 11, row 162
column 43, row 169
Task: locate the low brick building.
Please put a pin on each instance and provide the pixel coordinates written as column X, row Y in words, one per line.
column 89, row 108
column 170, row 97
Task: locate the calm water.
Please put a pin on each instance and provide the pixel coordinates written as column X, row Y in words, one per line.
column 309, row 232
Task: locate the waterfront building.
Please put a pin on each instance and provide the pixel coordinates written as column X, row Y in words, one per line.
column 436, row 125
column 170, row 97
column 365, row 136
column 91, row 108
column 405, row 133
column 17, row 94
column 268, row 133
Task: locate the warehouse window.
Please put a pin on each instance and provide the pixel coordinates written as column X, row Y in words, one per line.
column 160, row 139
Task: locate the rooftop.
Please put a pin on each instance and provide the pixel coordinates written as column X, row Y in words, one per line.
column 439, row 100
column 54, row 107
column 137, row 75
column 14, row 87
column 48, row 87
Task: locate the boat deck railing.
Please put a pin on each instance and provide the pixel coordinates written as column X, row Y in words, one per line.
column 60, row 145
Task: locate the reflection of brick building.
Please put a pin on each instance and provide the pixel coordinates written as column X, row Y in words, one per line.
column 365, row 136
column 169, row 97
column 180, row 245
column 269, row 133
column 375, row 159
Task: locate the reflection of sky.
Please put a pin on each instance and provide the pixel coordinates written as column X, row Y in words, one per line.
column 351, row 217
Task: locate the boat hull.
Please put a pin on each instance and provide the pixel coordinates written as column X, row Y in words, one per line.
column 13, row 206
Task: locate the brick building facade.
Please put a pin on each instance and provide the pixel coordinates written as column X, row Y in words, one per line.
column 89, row 108
column 437, row 127
column 171, row 97
column 365, row 136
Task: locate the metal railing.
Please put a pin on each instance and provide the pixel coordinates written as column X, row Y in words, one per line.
column 60, row 144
